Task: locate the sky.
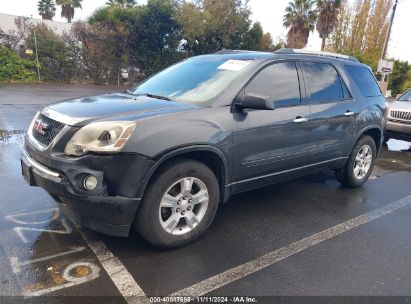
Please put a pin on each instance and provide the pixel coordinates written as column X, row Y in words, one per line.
column 268, row 12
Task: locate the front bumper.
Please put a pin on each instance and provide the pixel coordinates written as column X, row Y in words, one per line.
column 398, row 130
column 109, row 213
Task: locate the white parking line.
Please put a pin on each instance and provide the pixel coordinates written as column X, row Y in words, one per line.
column 273, row 257
column 116, row 270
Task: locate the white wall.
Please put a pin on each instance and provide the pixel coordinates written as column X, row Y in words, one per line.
column 7, row 23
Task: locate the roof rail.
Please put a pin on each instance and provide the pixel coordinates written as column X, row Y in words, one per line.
column 229, row 51
column 316, row 53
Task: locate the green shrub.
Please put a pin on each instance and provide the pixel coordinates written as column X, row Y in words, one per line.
column 14, row 68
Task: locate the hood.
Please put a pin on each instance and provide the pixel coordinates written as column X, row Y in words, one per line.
column 398, row 105
column 116, row 106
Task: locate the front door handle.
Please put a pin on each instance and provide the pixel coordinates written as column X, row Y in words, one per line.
column 349, row 113
column 300, row 119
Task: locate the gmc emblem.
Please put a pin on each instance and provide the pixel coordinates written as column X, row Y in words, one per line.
column 40, row 126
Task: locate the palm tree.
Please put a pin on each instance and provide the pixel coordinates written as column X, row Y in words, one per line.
column 47, row 9
column 67, row 8
column 121, row 3
column 300, row 18
column 327, row 18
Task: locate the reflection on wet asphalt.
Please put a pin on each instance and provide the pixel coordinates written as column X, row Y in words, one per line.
column 399, row 145
column 43, row 253
column 14, row 137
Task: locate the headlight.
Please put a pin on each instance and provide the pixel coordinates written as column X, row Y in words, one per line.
column 106, row 136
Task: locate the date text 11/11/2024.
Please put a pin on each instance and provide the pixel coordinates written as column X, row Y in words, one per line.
column 203, row 299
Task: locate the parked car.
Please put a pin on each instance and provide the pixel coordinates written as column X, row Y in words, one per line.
column 163, row 156
column 399, row 118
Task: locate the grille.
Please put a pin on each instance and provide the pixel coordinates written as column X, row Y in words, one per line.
column 50, row 132
column 401, row 115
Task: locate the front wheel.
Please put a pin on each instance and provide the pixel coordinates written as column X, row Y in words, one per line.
column 360, row 163
column 179, row 204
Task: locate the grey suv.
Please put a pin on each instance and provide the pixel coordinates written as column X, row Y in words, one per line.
column 163, row 156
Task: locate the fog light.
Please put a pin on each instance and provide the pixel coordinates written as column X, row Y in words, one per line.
column 90, row 182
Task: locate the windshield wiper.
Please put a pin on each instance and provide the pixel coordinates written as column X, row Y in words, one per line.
column 158, row 97
column 150, row 95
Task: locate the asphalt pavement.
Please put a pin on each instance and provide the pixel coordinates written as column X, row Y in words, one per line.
column 285, row 243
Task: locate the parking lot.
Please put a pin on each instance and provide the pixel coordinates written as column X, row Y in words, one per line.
column 308, row 237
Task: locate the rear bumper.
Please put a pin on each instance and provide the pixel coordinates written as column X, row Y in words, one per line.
column 109, row 214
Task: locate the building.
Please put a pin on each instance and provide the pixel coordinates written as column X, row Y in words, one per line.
column 7, row 24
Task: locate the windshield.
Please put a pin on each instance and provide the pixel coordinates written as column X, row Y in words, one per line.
column 197, row 80
column 406, row 96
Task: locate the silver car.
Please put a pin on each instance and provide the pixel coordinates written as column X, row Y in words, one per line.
column 399, row 118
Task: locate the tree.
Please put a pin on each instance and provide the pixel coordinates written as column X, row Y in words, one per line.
column 398, row 79
column 193, row 27
column 208, row 26
column 327, row 18
column 300, row 18
column 52, row 53
column 339, row 39
column 67, row 8
column 121, row 3
column 120, row 21
column 407, row 83
column 253, row 39
column 360, row 30
column 268, row 45
column 46, row 9
column 359, row 25
column 377, row 28
column 96, row 51
column 155, row 36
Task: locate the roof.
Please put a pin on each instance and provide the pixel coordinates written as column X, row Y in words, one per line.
column 316, row 53
column 243, row 54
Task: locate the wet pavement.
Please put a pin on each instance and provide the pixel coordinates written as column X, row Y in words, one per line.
column 274, row 241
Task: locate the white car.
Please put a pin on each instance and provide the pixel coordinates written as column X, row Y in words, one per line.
column 399, row 118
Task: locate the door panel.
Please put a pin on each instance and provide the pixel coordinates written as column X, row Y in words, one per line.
column 269, row 141
column 333, row 111
column 331, row 129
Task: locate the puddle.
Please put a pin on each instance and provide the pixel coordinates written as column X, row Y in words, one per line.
column 9, row 137
column 399, row 145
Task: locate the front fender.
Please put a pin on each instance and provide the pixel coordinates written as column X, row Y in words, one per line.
column 180, row 152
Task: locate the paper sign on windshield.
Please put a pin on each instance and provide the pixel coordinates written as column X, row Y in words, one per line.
column 233, row 65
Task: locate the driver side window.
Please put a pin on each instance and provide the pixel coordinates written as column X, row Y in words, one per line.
column 279, row 82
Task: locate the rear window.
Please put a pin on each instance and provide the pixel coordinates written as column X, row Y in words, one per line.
column 324, row 83
column 364, row 79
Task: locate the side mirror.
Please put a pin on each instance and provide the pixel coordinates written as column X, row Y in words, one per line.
column 255, row 101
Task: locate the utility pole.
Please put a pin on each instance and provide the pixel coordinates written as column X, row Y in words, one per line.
column 37, row 54
column 387, row 38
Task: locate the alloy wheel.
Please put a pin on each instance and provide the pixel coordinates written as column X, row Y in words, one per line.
column 183, row 206
column 363, row 162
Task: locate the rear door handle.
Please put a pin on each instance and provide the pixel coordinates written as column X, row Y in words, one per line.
column 349, row 113
column 300, row 119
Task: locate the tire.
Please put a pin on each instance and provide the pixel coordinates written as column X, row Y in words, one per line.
column 349, row 176
column 179, row 206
